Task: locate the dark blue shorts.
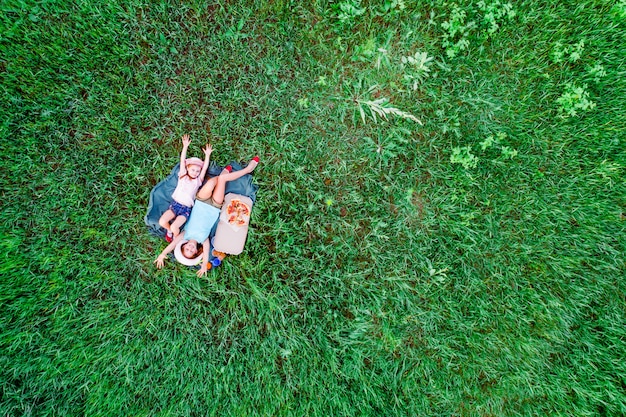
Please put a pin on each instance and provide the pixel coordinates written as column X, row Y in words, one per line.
column 180, row 210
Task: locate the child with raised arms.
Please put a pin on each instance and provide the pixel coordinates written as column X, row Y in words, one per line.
column 190, row 177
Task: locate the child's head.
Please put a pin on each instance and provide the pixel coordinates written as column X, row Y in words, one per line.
column 188, row 252
column 194, row 167
column 191, row 250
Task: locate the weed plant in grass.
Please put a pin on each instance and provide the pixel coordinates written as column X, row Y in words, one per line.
column 469, row 265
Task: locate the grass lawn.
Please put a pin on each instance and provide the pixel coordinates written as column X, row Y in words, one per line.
column 439, row 230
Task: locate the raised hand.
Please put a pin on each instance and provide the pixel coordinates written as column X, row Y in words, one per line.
column 159, row 261
column 202, row 271
column 208, row 150
column 186, row 140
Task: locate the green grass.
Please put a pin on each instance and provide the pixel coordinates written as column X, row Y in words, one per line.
column 379, row 278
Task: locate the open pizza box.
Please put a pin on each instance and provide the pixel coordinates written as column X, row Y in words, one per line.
column 232, row 227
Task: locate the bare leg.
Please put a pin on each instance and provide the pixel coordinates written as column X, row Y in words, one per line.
column 166, row 218
column 207, row 189
column 223, row 178
column 177, row 224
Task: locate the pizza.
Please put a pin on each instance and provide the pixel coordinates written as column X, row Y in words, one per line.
column 238, row 212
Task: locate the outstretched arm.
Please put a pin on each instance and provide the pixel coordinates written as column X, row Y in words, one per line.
column 208, row 149
column 160, row 260
column 206, row 247
column 183, row 155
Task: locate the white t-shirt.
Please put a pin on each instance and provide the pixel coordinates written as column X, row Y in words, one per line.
column 186, row 189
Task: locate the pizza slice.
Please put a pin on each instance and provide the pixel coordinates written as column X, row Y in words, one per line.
column 238, row 212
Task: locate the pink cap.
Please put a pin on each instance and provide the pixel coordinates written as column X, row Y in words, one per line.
column 194, row 161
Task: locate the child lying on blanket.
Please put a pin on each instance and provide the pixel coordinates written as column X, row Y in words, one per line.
column 204, row 214
column 190, row 178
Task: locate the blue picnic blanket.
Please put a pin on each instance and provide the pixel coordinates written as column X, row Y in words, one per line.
column 161, row 194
